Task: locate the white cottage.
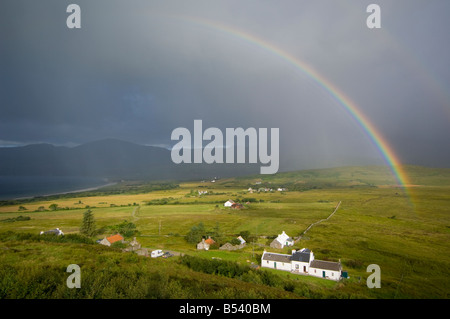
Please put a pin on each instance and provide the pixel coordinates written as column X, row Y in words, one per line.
column 276, row 261
column 282, row 240
column 325, row 269
column 203, row 245
column 228, row 203
column 302, row 262
column 242, row 240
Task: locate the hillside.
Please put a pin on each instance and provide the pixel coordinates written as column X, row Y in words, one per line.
column 109, row 158
column 33, row 267
column 376, row 223
column 352, row 176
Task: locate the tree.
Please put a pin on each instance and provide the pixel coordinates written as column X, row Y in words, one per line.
column 88, row 224
column 126, row 229
column 196, row 233
column 235, row 241
column 53, row 206
column 216, row 233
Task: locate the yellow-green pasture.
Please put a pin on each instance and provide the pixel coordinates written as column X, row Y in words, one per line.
column 373, row 225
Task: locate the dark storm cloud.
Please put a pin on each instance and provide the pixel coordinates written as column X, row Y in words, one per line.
column 137, row 69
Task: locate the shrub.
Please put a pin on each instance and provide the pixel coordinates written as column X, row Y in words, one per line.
column 354, row 264
column 16, row 219
column 235, row 241
column 118, row 244
column 196, row 233
column 69, row 238
column 125, row 228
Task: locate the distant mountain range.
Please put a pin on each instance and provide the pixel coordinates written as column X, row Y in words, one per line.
column 109, row 158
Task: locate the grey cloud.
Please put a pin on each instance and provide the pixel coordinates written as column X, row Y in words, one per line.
column 137, row 69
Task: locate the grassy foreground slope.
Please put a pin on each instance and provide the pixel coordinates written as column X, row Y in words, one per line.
column 406, row 233
column 34, row 268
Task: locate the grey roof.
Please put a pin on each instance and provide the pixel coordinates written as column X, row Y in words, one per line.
column 277, row 257
column 326, row 265
column 301, row 256
column 52, row 231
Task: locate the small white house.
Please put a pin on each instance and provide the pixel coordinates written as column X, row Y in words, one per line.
column 108, row 241
column 242, row 240
column 203, row 245
column 228, row 203
column 282, row 240
column 276, row 261
column 325, row 269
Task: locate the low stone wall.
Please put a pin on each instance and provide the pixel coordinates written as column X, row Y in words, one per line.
column 228, row 246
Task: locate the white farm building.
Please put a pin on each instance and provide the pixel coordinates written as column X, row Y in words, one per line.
column 302, row 262
column 282, row 240
column 228, row 203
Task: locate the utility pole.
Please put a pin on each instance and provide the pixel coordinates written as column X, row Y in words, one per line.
column 256, row 238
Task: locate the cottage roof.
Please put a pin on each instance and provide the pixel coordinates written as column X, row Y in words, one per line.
column 326, row 265
column 277, row 257
column 210, row 241
column 52, row 231
column 302, row 256
column 55, row 231
column 112, row 239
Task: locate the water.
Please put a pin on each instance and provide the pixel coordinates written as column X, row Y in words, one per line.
column 12, row 187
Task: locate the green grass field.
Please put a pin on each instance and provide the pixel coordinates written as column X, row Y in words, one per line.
column 406, row 234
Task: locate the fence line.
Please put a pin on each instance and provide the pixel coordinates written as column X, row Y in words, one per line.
column 335, row 210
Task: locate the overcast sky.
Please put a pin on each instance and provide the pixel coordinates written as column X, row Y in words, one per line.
column 136, row 70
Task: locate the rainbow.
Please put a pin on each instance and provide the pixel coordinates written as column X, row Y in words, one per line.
column 375, row 136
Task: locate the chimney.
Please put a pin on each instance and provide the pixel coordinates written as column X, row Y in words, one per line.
column 293, row 251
